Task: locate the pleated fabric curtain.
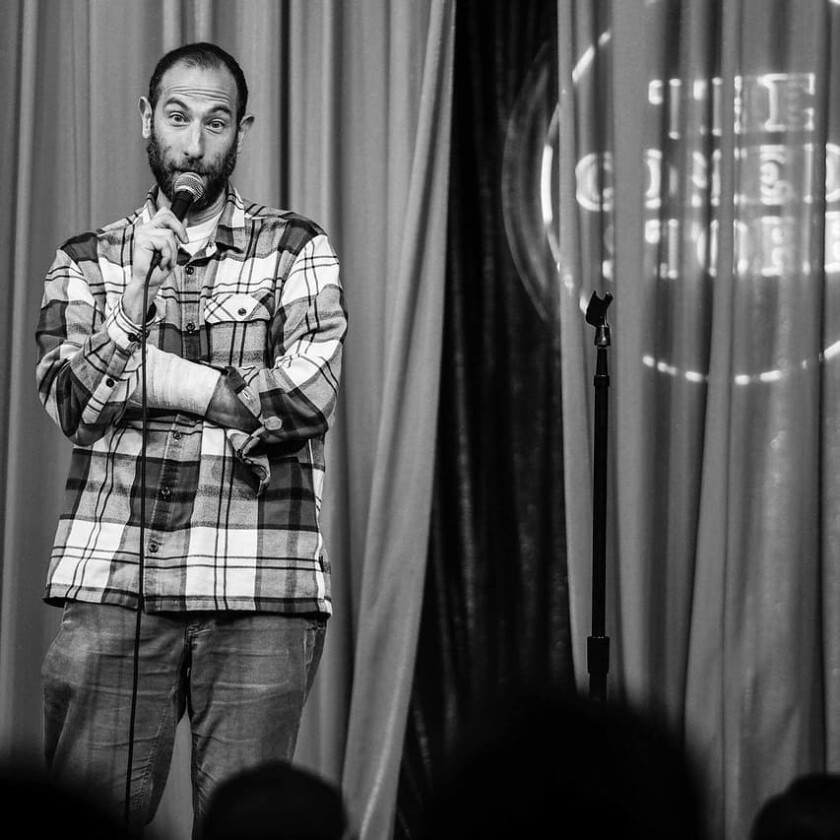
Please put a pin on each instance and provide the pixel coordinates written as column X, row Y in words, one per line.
column 352, row 104
column 707, row 206
column 387, row 135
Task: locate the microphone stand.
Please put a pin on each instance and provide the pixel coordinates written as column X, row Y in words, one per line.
column 598, row 644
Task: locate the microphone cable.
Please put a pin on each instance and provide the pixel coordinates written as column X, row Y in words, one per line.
column 141, row 562
column 188, row 188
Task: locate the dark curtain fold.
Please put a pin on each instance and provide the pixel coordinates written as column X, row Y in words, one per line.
column 496, row 604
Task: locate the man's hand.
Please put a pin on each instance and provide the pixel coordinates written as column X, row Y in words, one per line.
column 226, row 410
column 160, row 235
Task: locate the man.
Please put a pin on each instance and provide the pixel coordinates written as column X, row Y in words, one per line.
column 227, row 566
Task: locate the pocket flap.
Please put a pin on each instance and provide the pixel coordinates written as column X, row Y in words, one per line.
column 234, row 307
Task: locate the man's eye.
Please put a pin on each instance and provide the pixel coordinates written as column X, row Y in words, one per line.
column 177, row 118
column 217, row 125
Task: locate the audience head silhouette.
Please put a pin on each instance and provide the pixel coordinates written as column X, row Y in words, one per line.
column 809, row 809
column 41, row 806
column 276, row 800
column 560, row 762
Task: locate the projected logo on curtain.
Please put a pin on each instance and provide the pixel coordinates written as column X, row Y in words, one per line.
column 785, row 191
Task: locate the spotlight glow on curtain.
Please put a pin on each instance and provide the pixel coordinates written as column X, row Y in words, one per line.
column 707, row 204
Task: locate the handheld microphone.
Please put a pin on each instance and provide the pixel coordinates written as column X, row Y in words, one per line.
column 189, row 188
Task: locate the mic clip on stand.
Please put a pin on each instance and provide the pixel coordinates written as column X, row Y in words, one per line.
column 598, row 644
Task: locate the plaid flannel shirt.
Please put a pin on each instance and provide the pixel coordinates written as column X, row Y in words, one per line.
column 231, row 518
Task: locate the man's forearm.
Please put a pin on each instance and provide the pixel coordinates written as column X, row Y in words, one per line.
column 177, row 384
column 180, row 385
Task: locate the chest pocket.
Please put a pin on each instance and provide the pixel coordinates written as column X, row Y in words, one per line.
column 234, row 308
column 237, row 330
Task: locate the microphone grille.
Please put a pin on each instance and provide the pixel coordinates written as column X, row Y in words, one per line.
column 191, row 183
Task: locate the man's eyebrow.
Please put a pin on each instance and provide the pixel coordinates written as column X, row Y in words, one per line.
column 220, row 109
column 180, row 103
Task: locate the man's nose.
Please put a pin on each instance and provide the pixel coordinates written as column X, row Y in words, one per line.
column 194, row 147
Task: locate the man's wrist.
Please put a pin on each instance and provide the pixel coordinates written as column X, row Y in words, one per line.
column 132, row 302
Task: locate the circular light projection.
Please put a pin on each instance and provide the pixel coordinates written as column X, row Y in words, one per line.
column 780, row 210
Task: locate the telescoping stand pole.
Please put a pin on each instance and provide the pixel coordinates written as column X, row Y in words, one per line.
column 598, row 644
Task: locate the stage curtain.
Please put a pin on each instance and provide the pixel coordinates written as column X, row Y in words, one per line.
column 698, row 185
column 352, row 107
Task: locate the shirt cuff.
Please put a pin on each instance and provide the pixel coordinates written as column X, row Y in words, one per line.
column 249, row 397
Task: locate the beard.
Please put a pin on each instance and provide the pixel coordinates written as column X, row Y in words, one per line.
column 166, row 173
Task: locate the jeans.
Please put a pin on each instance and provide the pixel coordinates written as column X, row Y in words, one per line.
column 242, row 678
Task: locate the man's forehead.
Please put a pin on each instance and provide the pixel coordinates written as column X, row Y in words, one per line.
column 215, row 84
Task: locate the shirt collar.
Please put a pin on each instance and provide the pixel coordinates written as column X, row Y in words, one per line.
column 230, row 232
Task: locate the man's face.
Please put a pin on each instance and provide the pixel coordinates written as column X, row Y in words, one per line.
column 193, row 128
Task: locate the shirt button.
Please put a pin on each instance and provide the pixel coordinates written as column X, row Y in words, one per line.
column 189, row 270
column 242, row 310
column 176, row 435
column 190, row 327
column 109, row 382
column 165, row 491
column 273, row 423
column 153, row 547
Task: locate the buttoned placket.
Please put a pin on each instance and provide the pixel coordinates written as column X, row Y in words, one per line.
column 190, row 339
column 186, row 279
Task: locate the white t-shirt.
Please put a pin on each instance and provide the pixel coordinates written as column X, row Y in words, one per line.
column 199, row 234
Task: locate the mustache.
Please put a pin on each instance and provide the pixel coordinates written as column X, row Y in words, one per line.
column 187, row 166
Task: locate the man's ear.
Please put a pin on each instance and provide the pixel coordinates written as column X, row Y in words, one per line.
column 146, row 112
column 244, row 127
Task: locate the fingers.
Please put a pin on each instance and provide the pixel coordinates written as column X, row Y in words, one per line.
column 166, row 219
column 160, row 235
column 161, row 241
